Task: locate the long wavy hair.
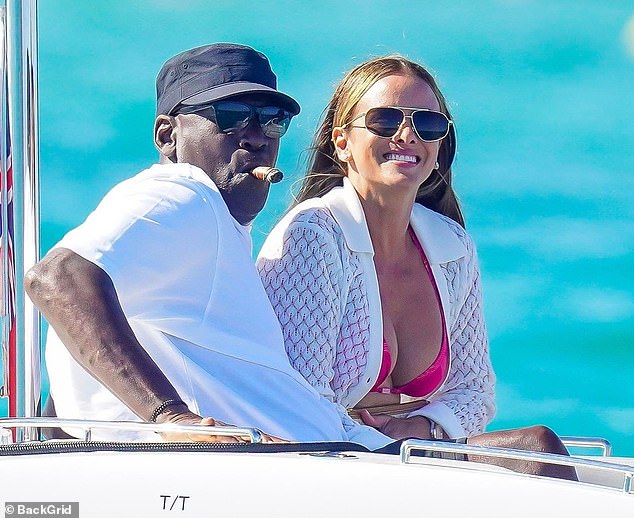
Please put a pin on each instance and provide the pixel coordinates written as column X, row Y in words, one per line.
column 325, row 171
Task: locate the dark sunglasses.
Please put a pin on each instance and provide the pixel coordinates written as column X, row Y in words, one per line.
column 232, row 116
column 429, row 125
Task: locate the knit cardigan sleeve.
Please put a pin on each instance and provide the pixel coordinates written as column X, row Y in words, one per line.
column 303, row 276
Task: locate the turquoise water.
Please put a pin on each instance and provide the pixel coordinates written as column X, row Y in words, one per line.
column 542, row 96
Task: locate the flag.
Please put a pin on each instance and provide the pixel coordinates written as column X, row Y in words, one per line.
column 9, row 287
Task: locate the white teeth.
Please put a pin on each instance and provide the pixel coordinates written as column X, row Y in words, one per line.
column 401, row 158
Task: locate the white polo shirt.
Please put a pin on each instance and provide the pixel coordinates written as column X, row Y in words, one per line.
column 183, row 272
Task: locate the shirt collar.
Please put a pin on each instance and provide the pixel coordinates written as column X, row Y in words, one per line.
column 440, row 243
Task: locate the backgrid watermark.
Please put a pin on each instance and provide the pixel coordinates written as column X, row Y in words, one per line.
column 41, row 509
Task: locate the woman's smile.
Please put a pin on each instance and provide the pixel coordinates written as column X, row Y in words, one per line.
column 402, row 157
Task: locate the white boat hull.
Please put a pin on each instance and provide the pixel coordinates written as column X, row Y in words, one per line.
column 198, row 484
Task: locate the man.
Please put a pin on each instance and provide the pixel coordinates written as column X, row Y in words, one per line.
column 156, row 309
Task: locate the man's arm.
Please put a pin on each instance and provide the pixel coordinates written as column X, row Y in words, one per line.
column 79, row 300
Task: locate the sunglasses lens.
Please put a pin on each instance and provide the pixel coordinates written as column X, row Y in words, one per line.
column 274, row 121
column 232, row 116
column 430, row 126
column 383, row 122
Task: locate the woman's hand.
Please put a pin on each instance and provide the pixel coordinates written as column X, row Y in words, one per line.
column 189, row 418
column 417, row 427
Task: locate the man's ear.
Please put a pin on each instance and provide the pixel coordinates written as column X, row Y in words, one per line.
column 340, row 141
column 165, row 136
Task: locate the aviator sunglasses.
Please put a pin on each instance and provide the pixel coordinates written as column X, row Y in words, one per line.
column 232, row 116
column 429, row 125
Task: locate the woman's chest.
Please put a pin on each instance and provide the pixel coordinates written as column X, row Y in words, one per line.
column 412, row 320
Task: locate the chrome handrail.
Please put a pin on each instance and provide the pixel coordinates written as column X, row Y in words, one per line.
column 588, row 442
column 254, row 435
column 5, row 292
column 20, row 121
column 407, row 447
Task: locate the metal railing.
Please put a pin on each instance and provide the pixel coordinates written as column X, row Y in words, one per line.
column 19, row 155
column 254, row 435
column 412, row 445
column 588, row 442
column 407, row 448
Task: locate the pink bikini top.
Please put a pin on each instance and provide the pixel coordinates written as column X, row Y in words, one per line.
column 429, row 381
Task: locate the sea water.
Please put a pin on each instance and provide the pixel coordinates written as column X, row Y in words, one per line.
column 542, row 96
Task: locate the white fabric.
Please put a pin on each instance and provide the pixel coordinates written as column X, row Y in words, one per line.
column 182, row 269
column 318, row 270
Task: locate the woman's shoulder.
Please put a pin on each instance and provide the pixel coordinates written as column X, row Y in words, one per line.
column 309, row 224
column 312, row 213
column 443, row 224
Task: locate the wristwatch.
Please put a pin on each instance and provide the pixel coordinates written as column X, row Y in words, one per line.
column 436, row 430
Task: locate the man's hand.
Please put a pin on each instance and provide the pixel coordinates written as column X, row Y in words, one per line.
column 417, row 427
column 189, row 418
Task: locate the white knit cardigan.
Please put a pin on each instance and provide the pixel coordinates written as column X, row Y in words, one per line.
column 318, row 270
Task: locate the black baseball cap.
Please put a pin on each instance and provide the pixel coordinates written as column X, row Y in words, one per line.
column 215, row 72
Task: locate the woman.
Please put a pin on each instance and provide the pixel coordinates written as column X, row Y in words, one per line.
column 379, row 286
column 372, row 275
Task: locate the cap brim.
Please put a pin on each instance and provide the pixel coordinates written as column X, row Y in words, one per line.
column 218, row 93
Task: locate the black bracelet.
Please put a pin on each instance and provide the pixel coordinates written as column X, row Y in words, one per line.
column 159, row 409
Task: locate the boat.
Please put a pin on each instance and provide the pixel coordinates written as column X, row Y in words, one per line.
column 104, row 479
column 73, row 477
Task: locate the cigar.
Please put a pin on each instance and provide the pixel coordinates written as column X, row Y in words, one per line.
column 268, row 174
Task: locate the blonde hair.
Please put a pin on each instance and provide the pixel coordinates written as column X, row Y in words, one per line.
column 325, row 171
